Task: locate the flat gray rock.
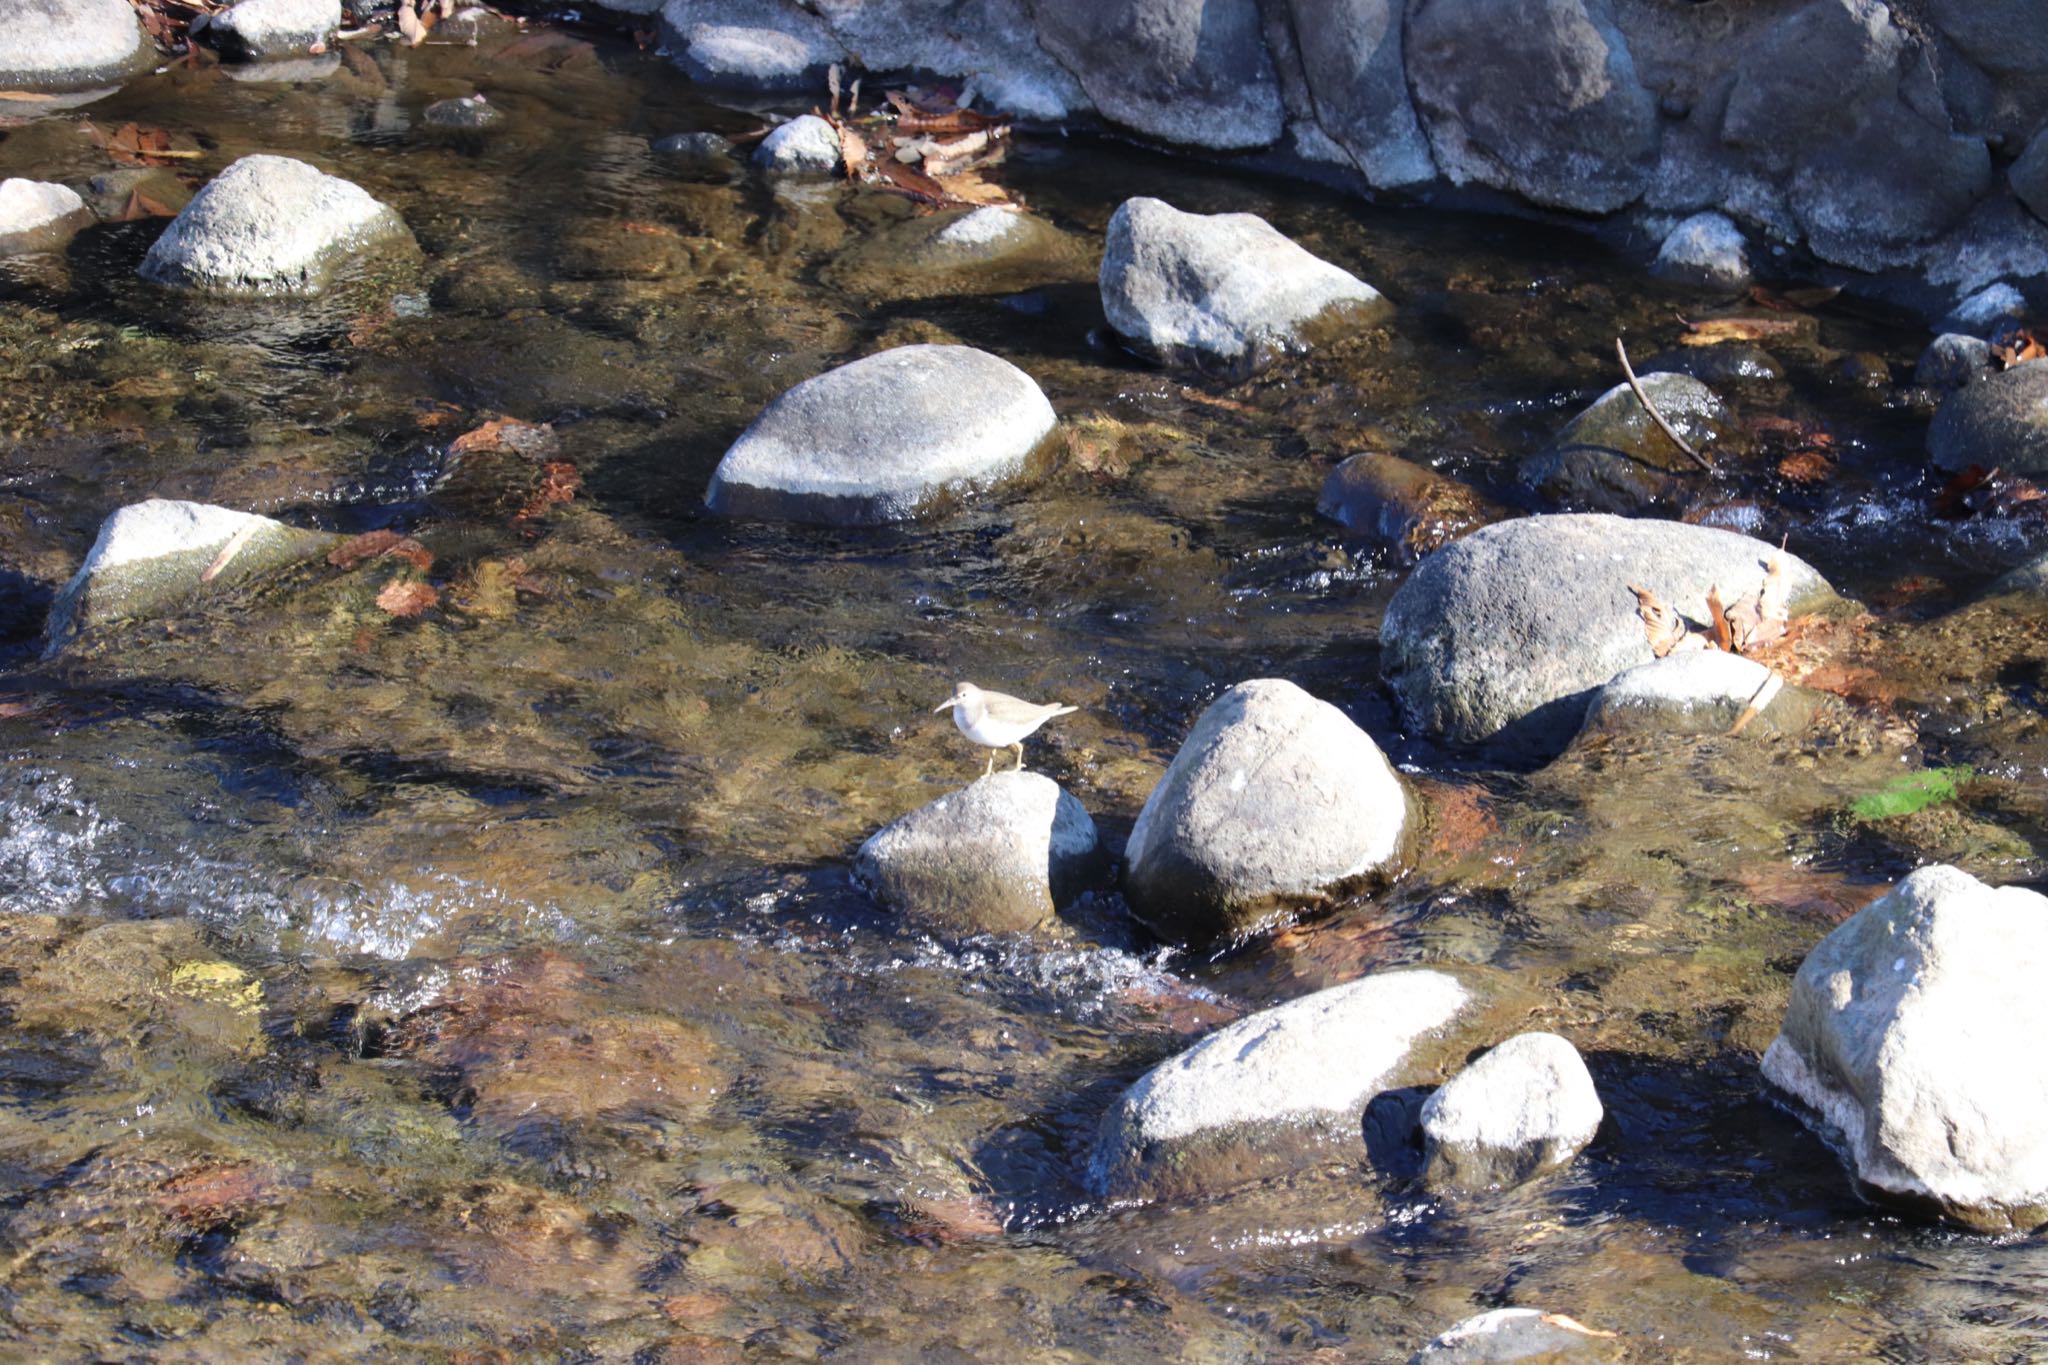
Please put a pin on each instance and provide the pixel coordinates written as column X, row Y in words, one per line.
column 1221, row 287
column 1699, row 692
column 770, row 44
column 881, row 438
column 1275, row 798
column 271, row 225
column 70, row 44
column 1515, row 1336
column 2001, row 422
column 1272, row 1092
column 258, row 30
column 1526, row 1107
column 1000, row 855
column 152, row 556
column 1706, row 249
column 1912, row 1040
column 1501, row 638
column 806, row 143
column 36, row 215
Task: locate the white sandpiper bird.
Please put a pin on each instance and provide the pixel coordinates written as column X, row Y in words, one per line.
column 997, row 719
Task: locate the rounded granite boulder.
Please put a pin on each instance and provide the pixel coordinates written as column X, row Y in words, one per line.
column 1999, row 422
column 55, row 45
column 880, row 439
column 1528, row 1106
column 271, row 225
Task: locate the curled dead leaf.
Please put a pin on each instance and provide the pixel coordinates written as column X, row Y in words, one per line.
column 506, row 435
column 407, row 597
column 373, row 544
column 1663, row 625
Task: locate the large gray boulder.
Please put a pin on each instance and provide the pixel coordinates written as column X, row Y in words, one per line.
column 1274, row 799
column 1526, row 1107
column 36, row 215
column 1351, row 59
column 70, row 44
column 1275, row 1091
column 882, row 438
column 1878, row 195
column 1613, row 457
column 1500, row 638
column 1554, row 113
column 152, row 556
column 770, row 44
column 1811, row 76
column 1000, row 855
column 2029, row 176
column 1518, row 1336
column 1228, row 288
column 1198, row 75
column 262, row 29
column 272, row 225
column 1999, row 422
column 1912, row 1040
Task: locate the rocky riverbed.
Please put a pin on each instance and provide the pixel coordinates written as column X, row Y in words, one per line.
column 483, row 879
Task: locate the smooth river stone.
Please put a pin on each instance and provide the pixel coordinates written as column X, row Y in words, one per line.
column 69, row 44
column 878, row 440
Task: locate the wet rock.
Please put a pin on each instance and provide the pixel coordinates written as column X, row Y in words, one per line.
column 467, row 114
column 1698, row 692
column 1908, row 1041
column 1351, row 58
column 1982, row 312
column 36, row 215
column 805, row 143
column 1613, row 457
column 982, row 251
column 2029, row 176
column 150, row 556
column 271, row 225
column 2001, row 423
column 1728, row 364
column 1555, row 113
column 2030, row 577
column 879, row 439
column 1501, row 637
column 1274, row 798
column 287, row 70
column 703, row 153
column 991, row 45
column 1277, row 1090
column 1514, row 1336
column 1224, row 287
column 1404, row 507
column 610, row 249
column 762, row 43
column 1198, row 75
column 1000, row 855
column 1526, row 1107
column 70, row 44
column 261, row 29
column 1952, row 360
column 109, row 193
column 1707, row 250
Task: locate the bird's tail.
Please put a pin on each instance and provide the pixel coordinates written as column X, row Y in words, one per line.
column 1063, row 711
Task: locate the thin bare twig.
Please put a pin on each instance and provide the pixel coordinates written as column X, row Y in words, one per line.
column 1636, row 387
column 1763, row 696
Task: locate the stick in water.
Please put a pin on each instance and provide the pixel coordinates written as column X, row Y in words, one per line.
column 1636, row 387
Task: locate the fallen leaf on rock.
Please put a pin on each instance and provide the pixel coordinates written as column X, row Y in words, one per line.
column 1662, row 624
column 410, row 26
column 853, row 152
column 1714, row 331
column 559, row 481
column 371, row 544
column 216, row 1197
column 967, row 187
column 1717, row 620
column 407, row 597
column 505, row 435
column 2017, row 347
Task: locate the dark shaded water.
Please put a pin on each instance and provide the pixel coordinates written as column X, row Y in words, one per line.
column 489, row 985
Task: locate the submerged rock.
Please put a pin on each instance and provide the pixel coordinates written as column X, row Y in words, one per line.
column 1000, row 855
column 1911, row 1041
column 1402, row 506
column 1220, row 287
column 1516, row 1336
column 1280, row 1089
column 464, row 114
column 1526, row 1107
column 271, row 225
column 987, row 250
column 36, row 215
column 1501, row 637
column 152, row 555
column 702, row 153
column 1613, row 457
column 262, row 29
column 879, row 439
column 70, row 44
column 1274, row 798
column 1706, row 249
column 805, row 143
column 1952, row 360
column 1702, row 692
column 2000, row 423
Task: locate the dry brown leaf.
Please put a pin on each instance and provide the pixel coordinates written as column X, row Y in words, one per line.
column 853, row 152
column 407, row 597
column 1806, row 467
column 508, row 435
column 1717, row 619
column 372, row 544
column 917, row 185
column 1574, row 1325
column 1664, row 627
column 1714, row 331
column 409, row 26
column 2018, row 347
column 140, row 206
column 230, row 550
column 966, row 187
column 133, row 144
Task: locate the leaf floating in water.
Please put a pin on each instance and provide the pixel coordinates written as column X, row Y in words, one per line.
column 1911, row 792
column 373, row 544
column 1714, row 331
column 506, row 435
column 407, row 597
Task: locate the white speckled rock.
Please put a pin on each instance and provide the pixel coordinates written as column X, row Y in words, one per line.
column 1002, row 854
column 152, row 555
column 1706, row 249
column 271, row 225
column 261, row 29
column 1912, row 1039
column 804, row 144
column 880, row 438
column 1697, row 691
column 1275, row 1090
column 1224, row 288
column 1275, row 797
column 1526, row 1107
column 69, row 44
column 36, row 215
column 772, row 44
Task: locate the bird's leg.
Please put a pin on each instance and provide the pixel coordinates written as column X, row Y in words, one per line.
column 991, row 763
column 1019, row 747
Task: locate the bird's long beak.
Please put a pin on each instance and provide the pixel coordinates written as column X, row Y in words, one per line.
column 946, row 705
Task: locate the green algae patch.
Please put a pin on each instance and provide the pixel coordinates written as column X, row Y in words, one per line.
column 1911, row 792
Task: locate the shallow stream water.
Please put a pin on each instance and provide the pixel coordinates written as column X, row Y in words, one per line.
column 489, row 984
